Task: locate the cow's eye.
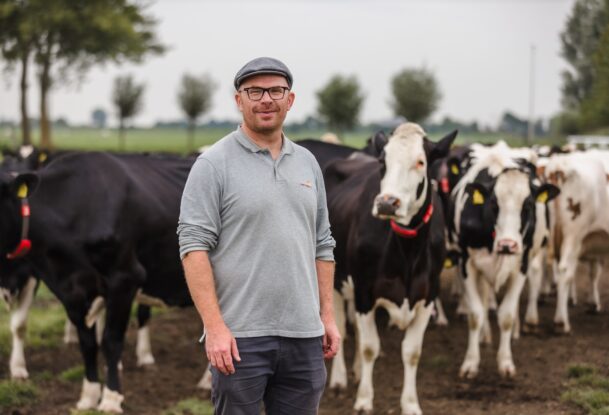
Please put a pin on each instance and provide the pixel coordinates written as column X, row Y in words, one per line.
column 420, row 164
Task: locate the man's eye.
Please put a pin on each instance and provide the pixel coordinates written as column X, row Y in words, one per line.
column 255, row 91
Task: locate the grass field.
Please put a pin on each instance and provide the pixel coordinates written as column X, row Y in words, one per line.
column 175, row 140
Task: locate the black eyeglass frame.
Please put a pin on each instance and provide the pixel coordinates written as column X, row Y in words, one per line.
column 265, row 90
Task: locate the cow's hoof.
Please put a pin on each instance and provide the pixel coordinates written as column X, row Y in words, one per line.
column 111, row 402
column 507, row 370
column 469, row 370
column 530, row 328
column 593, row 309
column 19, row 373
column 412, row 409
column 145, row 360
column 562, row 328
column 362, row 406
column 442, row 321
column 89, row 397
column 339, row 391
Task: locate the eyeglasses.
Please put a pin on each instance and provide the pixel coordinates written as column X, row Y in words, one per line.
column 275, row 92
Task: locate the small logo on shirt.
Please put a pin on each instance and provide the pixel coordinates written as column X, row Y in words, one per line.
column 307, row 183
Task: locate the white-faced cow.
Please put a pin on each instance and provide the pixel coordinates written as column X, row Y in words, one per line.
column 389, row 228
column 496, row 208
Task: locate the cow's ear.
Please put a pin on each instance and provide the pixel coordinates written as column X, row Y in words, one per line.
column 379, row 140
column 24, row 185
column 546, row 192
column 441, row 148
column 478, row 193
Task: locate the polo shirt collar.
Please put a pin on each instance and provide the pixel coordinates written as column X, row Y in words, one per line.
column 242, row 138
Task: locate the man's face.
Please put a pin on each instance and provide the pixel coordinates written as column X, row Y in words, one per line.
column 267, row 115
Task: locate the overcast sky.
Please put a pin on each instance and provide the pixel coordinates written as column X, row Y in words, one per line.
column 479, row 51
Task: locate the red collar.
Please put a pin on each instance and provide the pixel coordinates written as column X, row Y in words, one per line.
column 25, row 244
column 412, row 232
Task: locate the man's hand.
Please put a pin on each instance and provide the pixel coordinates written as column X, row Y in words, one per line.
column 221, row 348
column 331, row 340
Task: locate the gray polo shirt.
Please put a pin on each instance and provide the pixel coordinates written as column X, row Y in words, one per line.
column 264, row 222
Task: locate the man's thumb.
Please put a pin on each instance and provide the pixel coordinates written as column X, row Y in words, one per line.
column 234, row 350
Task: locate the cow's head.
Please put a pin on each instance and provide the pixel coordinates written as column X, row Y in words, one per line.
column 405, row 180
column 508, row 206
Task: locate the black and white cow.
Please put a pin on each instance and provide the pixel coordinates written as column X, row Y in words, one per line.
column 98, row 229
column 18, row 288
column 389, row 228
column 496, row 206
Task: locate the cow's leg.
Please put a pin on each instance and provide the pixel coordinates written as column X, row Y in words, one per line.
column 458, row 282
column 565, row 275
column 485, row 291
column 507, row 317
column 118, row 309
column 368, row 348
column 535, row 276
column 18, row 324
column 595, row 276
column 70, row 334
column 91, row 387
column 573, row 291
column 441, row 319
column 411, row 353
column 357, row 360
column 205, row 382
column 338, row 376
column 143, row 348
column 470, row 365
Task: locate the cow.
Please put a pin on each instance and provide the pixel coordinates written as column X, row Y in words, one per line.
column 580, row 230
column 389, row 229
column 18, row 289
column 496, row 206
column 98, row 229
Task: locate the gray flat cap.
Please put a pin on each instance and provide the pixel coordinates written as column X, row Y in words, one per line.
column 263, row 66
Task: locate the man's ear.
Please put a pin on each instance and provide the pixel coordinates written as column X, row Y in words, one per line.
column 291, row 99
column 24, row 185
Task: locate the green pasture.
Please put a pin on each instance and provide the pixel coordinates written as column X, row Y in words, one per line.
column 175, row 140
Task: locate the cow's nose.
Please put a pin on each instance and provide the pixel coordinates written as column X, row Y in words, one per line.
column 507, row 247
column 387, row 205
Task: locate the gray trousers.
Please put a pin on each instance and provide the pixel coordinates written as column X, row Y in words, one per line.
column 287, row 374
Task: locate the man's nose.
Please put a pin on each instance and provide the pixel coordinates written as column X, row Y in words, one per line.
column 266, row 94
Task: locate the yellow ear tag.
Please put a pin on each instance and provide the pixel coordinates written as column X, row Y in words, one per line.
column 477, row 197
column 542, row 197
column 454, row 169
column 448, row 263
column 22, row 192
column 42, row 157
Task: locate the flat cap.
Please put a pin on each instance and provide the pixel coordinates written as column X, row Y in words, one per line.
column 263, row 66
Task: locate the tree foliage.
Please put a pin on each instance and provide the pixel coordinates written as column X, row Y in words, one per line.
column 595, row 107
column 580, row 40
column 194, row 98
column 416, row 94
column 127, row 97
column 72, row 35
column 340, row 102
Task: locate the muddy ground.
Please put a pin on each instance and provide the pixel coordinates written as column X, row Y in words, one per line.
column 541, row 360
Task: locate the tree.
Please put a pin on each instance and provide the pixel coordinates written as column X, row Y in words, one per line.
column 99, row 117
column 595, row 107
column 580, row 40
column 72, row 35
column 16, row 44
column 340, row 102
column 127, row 97
column 416, row 94
column 194, row 98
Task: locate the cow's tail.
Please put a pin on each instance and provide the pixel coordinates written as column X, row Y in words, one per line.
column 95, row 311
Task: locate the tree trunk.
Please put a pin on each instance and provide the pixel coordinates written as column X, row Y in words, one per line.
column 26, row 138
column 45, row 126
column 191, row 136
column 121, row 134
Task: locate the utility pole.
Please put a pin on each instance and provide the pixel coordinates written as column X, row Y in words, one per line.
column 531, row 122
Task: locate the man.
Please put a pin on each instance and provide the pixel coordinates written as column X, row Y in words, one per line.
column 258, row 257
